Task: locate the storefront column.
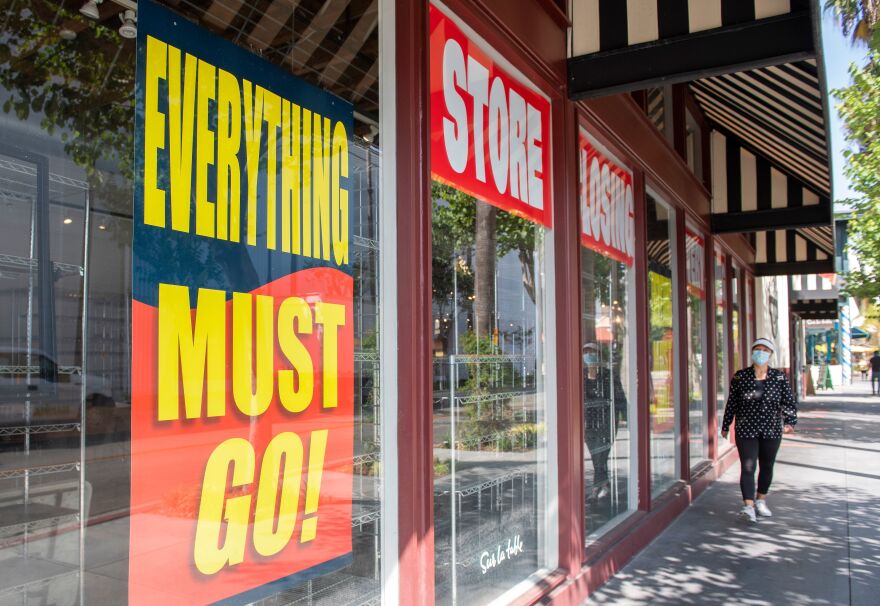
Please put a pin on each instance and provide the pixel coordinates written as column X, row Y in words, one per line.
column 415, row 471
column 643, row 341
column 570, row 411
column 682, row 344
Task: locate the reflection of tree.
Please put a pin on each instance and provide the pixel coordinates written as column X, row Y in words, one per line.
column 81, row 88
column 462, row 225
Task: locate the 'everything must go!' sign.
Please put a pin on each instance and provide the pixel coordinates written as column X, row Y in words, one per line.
column 242, row 341
column 490, row 132
column 607, row 205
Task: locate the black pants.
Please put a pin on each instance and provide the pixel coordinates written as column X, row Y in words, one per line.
column 760, row 452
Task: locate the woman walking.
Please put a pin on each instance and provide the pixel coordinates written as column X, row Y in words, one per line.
column 764, row 407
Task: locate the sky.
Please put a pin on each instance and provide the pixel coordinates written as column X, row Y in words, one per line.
column 839, row 53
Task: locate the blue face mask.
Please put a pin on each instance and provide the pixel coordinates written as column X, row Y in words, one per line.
column 760, row 357
column 590, row 359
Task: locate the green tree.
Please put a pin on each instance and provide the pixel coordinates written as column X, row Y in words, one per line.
column 859, row 108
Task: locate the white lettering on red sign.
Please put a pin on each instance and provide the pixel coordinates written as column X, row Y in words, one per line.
column 488, row 130
column 695, row 264
column 607, row 204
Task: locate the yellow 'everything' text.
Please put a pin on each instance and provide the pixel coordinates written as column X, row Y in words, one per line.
column 278, row 137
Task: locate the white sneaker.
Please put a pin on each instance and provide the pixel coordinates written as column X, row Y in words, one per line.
column 762, row 510
column 748, row 512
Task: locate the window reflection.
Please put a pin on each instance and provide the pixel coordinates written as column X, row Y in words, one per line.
column 661, row 353
column 609, row 428
column 66, row 135
column 489, row 398
column 722, row 371
column 696, row 307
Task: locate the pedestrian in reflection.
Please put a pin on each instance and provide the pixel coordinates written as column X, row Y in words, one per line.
column 764, row 407
column 603, row 396
column 875, row 373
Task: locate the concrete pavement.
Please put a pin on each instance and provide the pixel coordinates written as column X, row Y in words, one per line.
column 821, row 547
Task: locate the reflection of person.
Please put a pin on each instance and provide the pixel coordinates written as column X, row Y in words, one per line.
column 764, row 407
column 603, row 397
column 875, row 372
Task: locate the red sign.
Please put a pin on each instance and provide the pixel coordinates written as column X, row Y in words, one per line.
column 695, row 265
column 490, row 132
column 720, row 265
column 607, row 206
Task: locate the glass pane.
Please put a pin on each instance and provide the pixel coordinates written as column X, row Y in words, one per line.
column 608, row 372
column 696, row 312
column 722, row 371
column 661, row 353
column 489, row 398
column 41, row 378
column 67, row 84
column 735, row 317
column 44, row 196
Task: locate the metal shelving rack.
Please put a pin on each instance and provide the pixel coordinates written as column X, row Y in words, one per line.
column 37, row 515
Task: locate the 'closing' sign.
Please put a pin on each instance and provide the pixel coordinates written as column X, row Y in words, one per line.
column 490, row 132
column 607, row 206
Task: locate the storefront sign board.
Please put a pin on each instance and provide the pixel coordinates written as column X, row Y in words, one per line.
column 490, row 129
column 694, row 247
column 606, row 201
column 242, row 341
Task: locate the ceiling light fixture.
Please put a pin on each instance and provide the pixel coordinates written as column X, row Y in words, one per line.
column 90, row 9
column 128, row 29
column 68, row 220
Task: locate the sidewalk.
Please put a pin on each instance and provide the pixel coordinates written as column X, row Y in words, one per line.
column 822, row 547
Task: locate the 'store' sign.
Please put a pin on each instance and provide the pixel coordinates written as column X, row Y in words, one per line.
column 607, row 205
column 242, row 341
column 490, row 131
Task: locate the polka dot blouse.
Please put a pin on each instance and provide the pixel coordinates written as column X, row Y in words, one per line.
column 760, row 413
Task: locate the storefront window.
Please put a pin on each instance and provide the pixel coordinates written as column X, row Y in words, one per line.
column 735, row 316
column 722, row 370
column 607, row 282
column 750, row 310
column 67, row 181
column 492, row 284
column 665, row 434
column 489, row 397
column 696, row 313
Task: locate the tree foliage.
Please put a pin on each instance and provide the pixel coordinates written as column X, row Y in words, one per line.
column 859, row 108
column 79, row 89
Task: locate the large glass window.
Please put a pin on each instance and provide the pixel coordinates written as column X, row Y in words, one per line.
column 609, row 358
column 736, row 316
column 609, row 419
column 665, row 433
column 722, row 370
column 67, row 89
column 490, row 398
column 696, row 313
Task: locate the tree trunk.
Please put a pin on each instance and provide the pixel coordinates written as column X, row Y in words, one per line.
column 484, row 278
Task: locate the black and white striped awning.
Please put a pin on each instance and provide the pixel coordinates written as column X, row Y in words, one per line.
column 815, row 296
column 753, row 191
column 623, row 45
column 786, row 251
column 751, row 67
column 776, row 110
column 605, row 25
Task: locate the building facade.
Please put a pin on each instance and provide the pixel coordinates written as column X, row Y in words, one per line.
column 385, row 301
